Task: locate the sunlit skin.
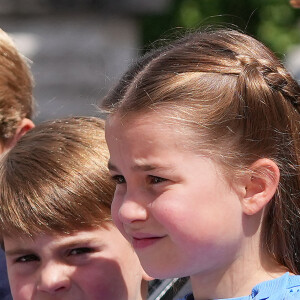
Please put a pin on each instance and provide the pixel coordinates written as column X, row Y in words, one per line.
column 295, row 3
column 87, row 265
column 24, row 126
column 179, row 211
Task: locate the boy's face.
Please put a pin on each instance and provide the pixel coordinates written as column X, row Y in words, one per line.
column 87, row 265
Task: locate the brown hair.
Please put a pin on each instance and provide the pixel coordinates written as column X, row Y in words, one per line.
column 234, row 94
column 16, row 85
column 56, row 180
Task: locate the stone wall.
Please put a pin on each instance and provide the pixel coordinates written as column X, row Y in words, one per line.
column 78, row 49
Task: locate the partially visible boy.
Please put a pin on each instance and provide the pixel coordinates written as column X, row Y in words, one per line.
column 16, row 100
column 59, row 240
column 16, row 106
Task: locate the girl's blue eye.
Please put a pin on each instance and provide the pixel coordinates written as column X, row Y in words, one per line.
column 27, row 258
column 79, row 251
column 156, row 179
column 118, row 179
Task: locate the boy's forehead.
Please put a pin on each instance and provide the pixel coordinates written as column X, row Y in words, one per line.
column 81, row 233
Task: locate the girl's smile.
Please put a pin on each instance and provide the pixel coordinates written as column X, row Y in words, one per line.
column 139, row 243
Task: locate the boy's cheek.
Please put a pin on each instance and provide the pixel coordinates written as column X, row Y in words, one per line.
column 20, row 270
column 21, row 288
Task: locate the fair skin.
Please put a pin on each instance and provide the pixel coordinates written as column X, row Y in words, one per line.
column 24, row 126
column 182, row 215
column 86, row 265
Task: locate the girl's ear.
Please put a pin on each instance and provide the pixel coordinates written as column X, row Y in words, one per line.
column 260, row 185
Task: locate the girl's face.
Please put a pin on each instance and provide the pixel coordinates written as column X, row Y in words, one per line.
column 175, row 206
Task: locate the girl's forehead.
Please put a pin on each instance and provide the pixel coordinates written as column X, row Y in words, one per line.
column 146, row 127
column 145, row 137
column 156, row 119
column 132, row 119
column 161, row 126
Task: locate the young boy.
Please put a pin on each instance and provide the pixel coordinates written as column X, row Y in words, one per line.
column 57, row 233
column 16, row 106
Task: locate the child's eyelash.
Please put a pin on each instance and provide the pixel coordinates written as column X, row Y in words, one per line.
column 82, row 250
column 156, row 179
column 27, row 258
column 119, row 179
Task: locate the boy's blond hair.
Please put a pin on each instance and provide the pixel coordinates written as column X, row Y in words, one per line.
column 16, row 85
column 55, row 180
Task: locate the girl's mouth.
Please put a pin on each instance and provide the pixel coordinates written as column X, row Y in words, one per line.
column 140, row 243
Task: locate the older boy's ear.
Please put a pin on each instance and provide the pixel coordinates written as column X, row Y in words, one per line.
column 24, row 126
column 260, row 186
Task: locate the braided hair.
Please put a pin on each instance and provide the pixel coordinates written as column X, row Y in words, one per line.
column 232, row 93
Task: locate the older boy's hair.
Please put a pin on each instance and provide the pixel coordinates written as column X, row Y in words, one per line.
column 16, row 85
column 55, row 180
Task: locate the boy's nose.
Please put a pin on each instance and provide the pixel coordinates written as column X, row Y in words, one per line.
column 54, row 278
column 132, row 209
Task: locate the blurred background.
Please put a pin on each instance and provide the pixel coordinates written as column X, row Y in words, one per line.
column 80, row 48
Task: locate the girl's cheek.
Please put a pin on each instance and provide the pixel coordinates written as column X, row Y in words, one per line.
column 114, row 211
column 115, row 208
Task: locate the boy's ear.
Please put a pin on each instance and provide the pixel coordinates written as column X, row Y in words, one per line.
column 24, row 126
column 260, row 185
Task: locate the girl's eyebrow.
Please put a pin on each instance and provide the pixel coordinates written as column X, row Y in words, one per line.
column 112, row 167
column 145, row 167
column 137, row 167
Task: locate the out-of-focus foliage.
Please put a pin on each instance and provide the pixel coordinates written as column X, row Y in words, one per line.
column 274, row 22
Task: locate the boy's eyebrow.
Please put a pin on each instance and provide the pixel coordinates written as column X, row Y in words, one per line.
column 74, row 244
column 17, row 251
column 64, row 244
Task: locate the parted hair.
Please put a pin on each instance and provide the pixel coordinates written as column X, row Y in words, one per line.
column 55, row 180
column 240, row 104
column 16, row 88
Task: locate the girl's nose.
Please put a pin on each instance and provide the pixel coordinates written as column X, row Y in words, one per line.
column 132, row 209
column 54, row 278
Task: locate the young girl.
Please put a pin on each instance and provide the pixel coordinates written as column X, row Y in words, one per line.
column 204, row 147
